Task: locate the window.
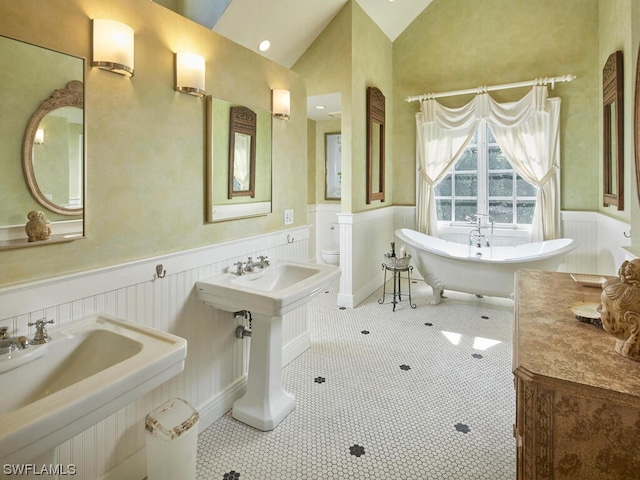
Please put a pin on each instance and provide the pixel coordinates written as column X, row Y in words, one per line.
column 482, row 181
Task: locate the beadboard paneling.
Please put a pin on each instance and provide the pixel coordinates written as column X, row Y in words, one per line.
column 216, row 363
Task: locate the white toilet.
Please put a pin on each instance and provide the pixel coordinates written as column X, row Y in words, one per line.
column 331, row 254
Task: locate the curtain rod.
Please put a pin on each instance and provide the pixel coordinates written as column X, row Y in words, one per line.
column 484, row 89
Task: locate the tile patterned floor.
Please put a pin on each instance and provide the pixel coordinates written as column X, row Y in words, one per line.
column 411, row 394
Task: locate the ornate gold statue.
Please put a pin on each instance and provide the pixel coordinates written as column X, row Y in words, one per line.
column 38, row 227
column 620, row 309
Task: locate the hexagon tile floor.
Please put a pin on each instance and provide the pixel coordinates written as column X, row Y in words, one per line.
column 411, row 394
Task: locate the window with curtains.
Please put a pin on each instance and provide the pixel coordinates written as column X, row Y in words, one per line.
column 482, row 181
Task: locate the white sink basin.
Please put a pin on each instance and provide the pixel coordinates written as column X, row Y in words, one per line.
column 89, row 370
column 268, row 294
column 272, row 291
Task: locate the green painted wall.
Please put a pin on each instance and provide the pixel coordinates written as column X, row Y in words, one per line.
column 351, row 54
column 34, row 75
column 326, row 68
column 372, row 67
column 459, row 44
column 145, row 142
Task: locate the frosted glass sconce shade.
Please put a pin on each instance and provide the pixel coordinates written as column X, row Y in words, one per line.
column 113, row 46
column 281, row 104
column 190, row 69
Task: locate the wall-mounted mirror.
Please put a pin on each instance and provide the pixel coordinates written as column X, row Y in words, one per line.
column 242, row 152
column 375, row 144
column 333, row 166
column 52, row 150
column 238, row 160
column 42, row 152
column 613, row 133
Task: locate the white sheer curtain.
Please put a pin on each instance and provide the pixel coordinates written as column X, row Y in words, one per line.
column 527, row 131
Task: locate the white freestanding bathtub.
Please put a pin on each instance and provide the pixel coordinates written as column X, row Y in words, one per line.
column 479, row 270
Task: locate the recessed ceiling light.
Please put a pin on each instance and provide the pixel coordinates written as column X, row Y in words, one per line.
column 320, row 107
column 264, row 45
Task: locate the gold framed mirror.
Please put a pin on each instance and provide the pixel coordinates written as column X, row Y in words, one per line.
column 613, row 132
column 375, row 144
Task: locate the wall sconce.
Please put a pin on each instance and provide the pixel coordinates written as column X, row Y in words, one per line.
column 113, row 46
column 281, row 104
column 39, row 137
column 190, row 69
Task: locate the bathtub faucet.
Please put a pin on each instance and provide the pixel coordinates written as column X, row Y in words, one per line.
column 477, row 238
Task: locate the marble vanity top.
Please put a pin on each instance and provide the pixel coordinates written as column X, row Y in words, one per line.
column 549, row 341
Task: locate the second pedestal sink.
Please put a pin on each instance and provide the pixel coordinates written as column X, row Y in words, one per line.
column 88, row 371
column 268, row 294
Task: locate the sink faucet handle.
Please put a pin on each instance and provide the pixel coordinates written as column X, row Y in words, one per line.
column 41, row 335
column 40, row 323
column 264, row 259
column 238, row 266
column 3, row 332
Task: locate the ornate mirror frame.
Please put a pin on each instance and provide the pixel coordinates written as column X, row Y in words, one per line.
column 375, row 144
column 72, row 95
column 242, row 121
column 613, row 132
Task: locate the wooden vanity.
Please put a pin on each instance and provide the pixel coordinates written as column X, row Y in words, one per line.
column 577, row 400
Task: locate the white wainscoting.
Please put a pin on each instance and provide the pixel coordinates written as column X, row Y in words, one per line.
column 601, row 240
column 365, row 236
column 216, row 365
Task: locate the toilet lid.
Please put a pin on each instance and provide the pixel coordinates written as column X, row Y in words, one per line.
column 330, row 252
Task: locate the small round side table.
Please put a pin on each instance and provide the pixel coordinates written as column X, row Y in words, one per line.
column 397, row 266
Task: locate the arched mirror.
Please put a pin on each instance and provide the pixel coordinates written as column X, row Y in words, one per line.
column 375, row 144
column 52, row 151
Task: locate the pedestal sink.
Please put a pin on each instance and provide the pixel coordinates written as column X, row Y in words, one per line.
column 268, row 294
column 88, row 371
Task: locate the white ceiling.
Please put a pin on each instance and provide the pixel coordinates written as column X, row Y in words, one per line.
column 292, row 25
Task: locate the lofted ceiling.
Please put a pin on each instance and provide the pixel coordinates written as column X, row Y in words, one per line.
column 291, row 26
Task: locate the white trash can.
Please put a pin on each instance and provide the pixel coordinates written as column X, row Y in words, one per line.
column 172, row 441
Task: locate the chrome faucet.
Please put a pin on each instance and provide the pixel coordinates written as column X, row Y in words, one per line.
column 41, row 336
column 475, row 235
column 239, row 268
column 263, row 262
column 8, row 344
